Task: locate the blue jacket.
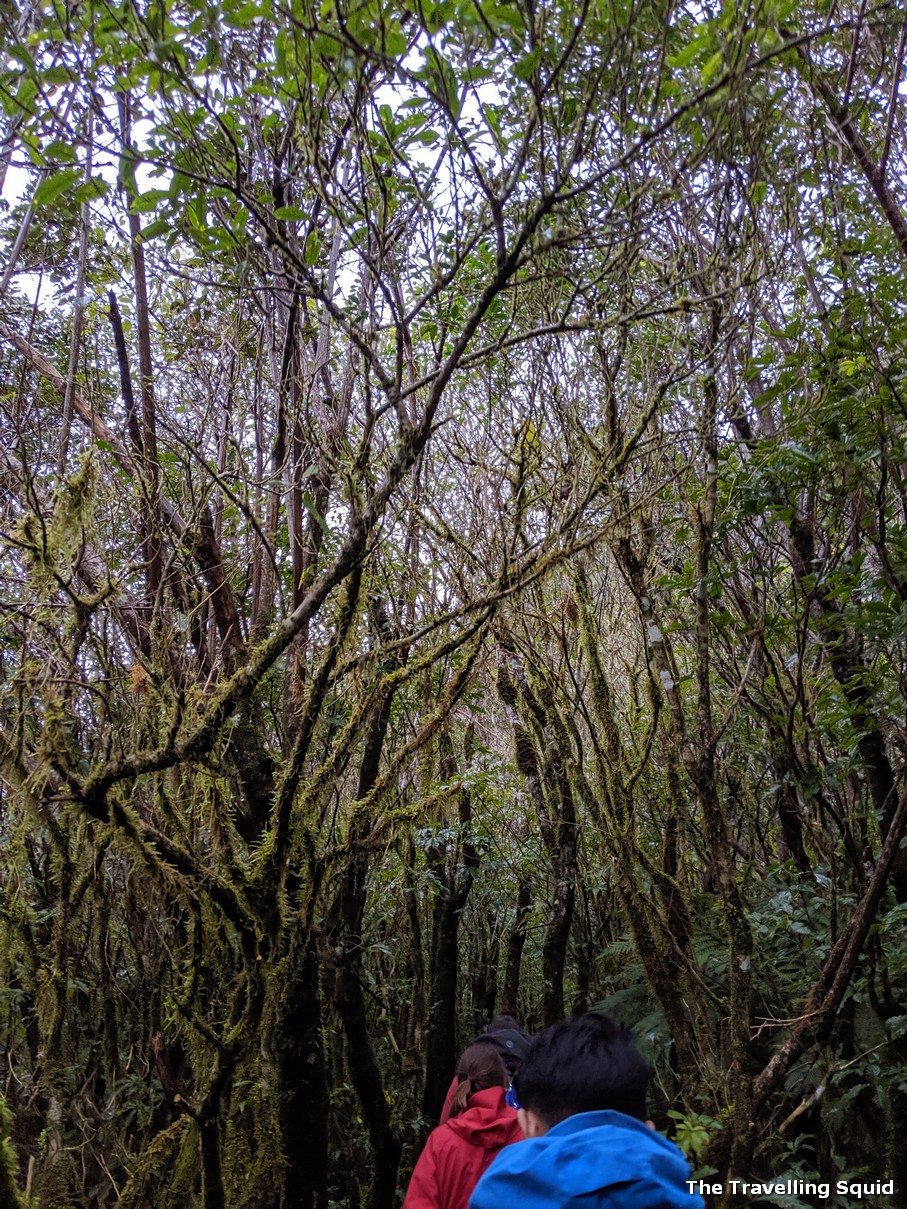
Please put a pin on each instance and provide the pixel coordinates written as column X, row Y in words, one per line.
column 593, row 1160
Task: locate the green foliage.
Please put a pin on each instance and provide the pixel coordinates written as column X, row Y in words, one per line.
column 694, row 1133
column 10, row 1196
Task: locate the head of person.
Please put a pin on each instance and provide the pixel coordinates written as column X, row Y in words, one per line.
column 582, row 1065
column 511, row 1042
column 480, row 1067
column 501, row 1023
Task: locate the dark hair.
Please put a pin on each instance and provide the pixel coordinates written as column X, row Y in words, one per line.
column 480, row 1067
column 503, row 1022
column 583, row 1065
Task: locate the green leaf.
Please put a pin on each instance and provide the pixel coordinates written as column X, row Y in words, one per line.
column 160, row 226
column 22, row 55
column 198, row 211
column 712, row 66
column 313, row 511
column 26, row 93
column 180, row 184
column 58, row 150
column 690, row 52
column 148, row 201
column 126, row 174
column 525, row 68
column 290, row 214
column 91, row 189
column 55, row 186
column 440, row 74
column 396, row 42
column 245, row 16
column 57, row 75
column 312, row 246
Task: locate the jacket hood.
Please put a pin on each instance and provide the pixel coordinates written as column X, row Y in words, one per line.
column 488, row 1121
column 593, row 1160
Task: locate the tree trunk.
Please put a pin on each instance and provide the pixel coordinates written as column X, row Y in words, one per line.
column 348, row 910
column 454, row 869
column 511, row 993
column 305, row 1102
column 212, row 1172
column 441, row 1047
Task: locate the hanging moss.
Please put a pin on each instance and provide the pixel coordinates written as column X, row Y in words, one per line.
column 252, row 1152
column 170, row 1158
column 10, row 1196
column 53, row 544
column 55, row 1183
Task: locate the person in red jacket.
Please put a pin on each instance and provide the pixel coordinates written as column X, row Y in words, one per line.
column 511, row 1042
column 481, row 1124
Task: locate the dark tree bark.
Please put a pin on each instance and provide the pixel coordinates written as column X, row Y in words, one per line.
column 485, row 966
column 345, row 943
column 213, row 1196
column 510, row 995
column 454, row 868
column 541, row 760
column 305, row 1102
column 441, row 1046
column 149, row 461
column 345, row 935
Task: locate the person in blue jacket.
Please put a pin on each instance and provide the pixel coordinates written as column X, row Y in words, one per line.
column 582, row 1107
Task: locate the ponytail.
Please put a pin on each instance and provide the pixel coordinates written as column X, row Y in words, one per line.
column 460, row 1098
column 480, row 1067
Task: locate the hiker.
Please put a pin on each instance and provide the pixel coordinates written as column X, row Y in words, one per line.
column 481, row 1123
column 581, row 1091
column 511, row 1042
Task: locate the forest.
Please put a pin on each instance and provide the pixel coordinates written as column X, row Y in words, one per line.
column 453, row 561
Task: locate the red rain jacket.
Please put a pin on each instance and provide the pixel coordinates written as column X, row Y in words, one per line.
column 458, row 1152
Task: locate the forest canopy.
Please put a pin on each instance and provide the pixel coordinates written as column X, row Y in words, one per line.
column 453, row 514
